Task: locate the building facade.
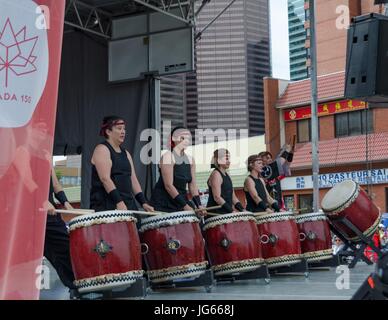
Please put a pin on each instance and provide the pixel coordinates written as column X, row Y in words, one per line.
column 353, row 138
column 297, row 34
column 232, row 58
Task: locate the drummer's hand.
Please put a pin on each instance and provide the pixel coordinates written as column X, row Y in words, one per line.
column 49, row 208
column 68, row 206
column 268, row 210
column 187, row 208
column 148, row 208
column 283, row 210
column 201, row 212
column 121, row 206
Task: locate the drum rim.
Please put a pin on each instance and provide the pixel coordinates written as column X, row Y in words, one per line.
column 163, row 219
column 346, row 203
column 227, row 216
column 300, row 218
column 101, row 217
column 274, row 216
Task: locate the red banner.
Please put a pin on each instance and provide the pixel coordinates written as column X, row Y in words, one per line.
column 324, row 109
column 30, row 53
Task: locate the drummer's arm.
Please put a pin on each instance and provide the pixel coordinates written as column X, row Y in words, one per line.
column 167, row 172
column 237, row 204
column 136, row 187
column 59, row 190
column 272, row 202
column 101, row 159
column 22, row 157
column 193, row 188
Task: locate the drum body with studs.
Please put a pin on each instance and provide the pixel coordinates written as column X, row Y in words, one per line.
column 105, row 250
column 279, row 237
column 315, row 237
column 174, row 246
column 233, row 243
column 348, row 200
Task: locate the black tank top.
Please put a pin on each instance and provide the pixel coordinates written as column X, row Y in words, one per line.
column 120, row 174
column 226, row 193
column 260, row 189
column 160, row 199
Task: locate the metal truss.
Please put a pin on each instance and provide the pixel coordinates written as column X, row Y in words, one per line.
column 185, row 13
column 88, row 18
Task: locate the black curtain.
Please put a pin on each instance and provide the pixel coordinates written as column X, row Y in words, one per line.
column 85, row 97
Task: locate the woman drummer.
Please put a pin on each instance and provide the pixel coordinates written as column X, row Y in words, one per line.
column 177, row 173
column 221, row 192
column 114, row 180
column 256, row 193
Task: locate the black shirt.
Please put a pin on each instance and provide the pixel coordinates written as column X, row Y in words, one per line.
column 226, row 193
column 121, row 173
column 261, row 191
column 161, row 199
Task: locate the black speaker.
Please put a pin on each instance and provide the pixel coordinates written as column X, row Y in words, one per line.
column 367, row 59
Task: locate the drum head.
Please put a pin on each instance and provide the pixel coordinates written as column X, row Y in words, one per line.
column 338, row 195
column 168, row 219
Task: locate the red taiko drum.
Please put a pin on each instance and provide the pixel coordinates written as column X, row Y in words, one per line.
column 105, row 250
column 315, row 237
column 279, row 237
column 348, row 200
column 174, row 246
column 233, row 243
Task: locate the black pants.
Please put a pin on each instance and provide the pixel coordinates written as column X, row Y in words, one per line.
column 57, row 249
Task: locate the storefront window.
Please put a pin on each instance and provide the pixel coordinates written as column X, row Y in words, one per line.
column 304, row 129
column 289, row 203
column 353, row 123
column 305, row 203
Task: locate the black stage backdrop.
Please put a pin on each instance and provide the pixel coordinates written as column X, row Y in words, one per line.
column 85, row 97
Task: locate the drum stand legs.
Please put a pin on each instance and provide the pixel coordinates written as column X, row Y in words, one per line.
column 333, row 262
column 136, row 290
column 204, row 280
column 297, row 268
column 357, row 249
column 260, row 273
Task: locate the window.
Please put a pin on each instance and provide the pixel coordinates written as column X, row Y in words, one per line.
column 304, row 129
column 289, row 203
column 353, row 123
column 305, row 203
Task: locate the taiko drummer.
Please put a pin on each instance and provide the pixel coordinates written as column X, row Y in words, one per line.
column 177, row 173
column 221, row 192
column 256, row 193
column 114, row 180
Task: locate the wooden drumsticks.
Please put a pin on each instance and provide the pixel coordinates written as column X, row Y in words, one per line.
column 75, row 211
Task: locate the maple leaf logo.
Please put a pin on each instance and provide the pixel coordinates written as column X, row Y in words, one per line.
column 16, row 52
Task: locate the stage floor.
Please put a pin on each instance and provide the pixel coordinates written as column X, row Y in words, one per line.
column 320, row 285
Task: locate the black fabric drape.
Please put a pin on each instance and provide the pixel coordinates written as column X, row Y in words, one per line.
column 85, row 97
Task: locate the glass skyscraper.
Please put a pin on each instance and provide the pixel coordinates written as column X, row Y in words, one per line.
column 232, row 58
column 297, row 37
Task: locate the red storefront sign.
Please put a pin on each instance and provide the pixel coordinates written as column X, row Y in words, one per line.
column 30, row 54
column 324, row 109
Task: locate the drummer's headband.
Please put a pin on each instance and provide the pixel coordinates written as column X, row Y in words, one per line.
column 110, row 125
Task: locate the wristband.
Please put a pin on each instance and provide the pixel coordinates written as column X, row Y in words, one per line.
column 180, row 200
column 115, row 196
column 141, row 198
column 61, row 197
column 197, row 201
column 227, row 207
column 239, row 207
column 262, row 205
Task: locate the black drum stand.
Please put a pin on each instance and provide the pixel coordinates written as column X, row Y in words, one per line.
column 354, row 249
column 300, row 268
column 137, row 290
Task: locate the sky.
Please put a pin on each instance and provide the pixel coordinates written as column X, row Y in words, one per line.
column 279, row 39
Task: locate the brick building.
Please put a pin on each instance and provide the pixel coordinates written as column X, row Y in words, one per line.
column 353, row 139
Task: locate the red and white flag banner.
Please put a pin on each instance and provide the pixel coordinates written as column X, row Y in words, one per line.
column 30, row 54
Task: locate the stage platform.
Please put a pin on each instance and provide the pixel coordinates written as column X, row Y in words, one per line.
column 320, row 285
